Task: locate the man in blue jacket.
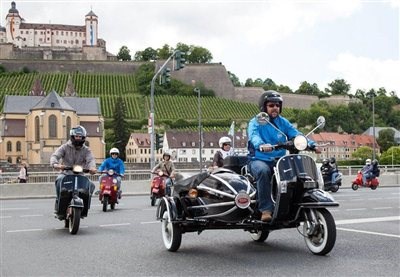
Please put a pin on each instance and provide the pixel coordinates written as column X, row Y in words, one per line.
column 115, row 163
column 262, row 156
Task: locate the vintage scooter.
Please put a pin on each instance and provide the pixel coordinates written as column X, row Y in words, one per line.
column 158, row 187
column 74, row 199
column 358, row 182
column 224, row 199
column 108, row 194
column 332, row 186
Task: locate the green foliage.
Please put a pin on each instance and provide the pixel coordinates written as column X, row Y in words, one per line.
column 124, row 54
column 363, row 153
column 234, row 79
column 338, row 87
column 120, row 126
column 391, row 156
column 2, row 69
column 386, row 139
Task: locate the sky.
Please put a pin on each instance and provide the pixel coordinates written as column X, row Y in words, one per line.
column 288, row 41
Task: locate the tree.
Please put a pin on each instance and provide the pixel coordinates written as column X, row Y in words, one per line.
column 391, row 156
column 307, row 88
column 338, row 87
column 124, row 54
column 120, row 127
column 268, row 84
column 146, row 55
column 199, row 54
column 363, row 153
column 234, row 79
column 386, row 139
column 164, row 52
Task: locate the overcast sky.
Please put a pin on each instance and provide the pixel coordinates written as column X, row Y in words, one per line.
column 285, row 40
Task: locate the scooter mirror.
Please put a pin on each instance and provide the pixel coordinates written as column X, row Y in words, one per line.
column 262, row 118
column 300, row 142
column 321, row 121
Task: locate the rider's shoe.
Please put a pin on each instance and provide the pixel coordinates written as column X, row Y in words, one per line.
column 119, row 194
column 266, row 216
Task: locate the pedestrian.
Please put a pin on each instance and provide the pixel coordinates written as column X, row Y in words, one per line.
column 23, row 173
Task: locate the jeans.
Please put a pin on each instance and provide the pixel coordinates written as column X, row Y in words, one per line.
column 168, row 184
column 366, row 176
column 262, row 172
column 334, row 175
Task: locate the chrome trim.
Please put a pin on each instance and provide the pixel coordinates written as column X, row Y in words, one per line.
column 225, row 183
column 213, row 205
column 203, row 187
column 221, row 214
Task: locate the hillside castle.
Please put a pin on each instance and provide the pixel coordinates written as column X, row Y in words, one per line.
column 22, row 40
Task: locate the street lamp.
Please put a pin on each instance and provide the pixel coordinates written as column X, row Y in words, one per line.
column 373, row 124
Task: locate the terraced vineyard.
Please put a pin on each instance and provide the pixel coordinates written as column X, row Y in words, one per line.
column 108, row 87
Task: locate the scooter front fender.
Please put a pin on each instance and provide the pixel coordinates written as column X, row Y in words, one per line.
column 76, row 202
column 315, row 198
column 168, row 204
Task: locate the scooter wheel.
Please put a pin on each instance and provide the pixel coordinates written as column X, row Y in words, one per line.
column 374, row 187
column 354, row 186
column 335, row 188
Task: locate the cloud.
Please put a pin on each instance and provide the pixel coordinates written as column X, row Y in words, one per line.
column 366, row 73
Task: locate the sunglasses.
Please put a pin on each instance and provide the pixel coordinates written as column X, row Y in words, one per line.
column 271, row 105
column 225, row 144
column 114, row 154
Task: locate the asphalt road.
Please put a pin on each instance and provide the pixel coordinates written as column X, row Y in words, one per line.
column 127, row 242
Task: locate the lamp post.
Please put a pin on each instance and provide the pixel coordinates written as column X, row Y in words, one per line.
column 373, row 124
column 196, row 89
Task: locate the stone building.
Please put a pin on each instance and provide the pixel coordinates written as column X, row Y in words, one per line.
column 32, row 127
column 22, row 40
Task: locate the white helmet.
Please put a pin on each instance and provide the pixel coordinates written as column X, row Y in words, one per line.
column 114, row 150
column 224, row 140
column 368, row 161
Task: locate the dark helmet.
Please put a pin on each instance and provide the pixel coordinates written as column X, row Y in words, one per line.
column 325, row 161
column 375, row 162
column 333, row 160
column 270, row 96
column 78, row 131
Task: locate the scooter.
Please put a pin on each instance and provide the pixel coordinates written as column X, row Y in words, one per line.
column 74, row 198
column 358, row 182
column 159, row 187
column 224, row 199
column 332, row 186
column 109, row 194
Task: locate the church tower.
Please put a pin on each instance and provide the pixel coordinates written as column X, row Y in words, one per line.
column 14, row 20
column 91, row 24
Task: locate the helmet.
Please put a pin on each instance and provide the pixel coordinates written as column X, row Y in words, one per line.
column 333, row 160
column 269, row 96
column 368, row 161
column 224, row 140
column 78, row 131
column 114, row 150
column 374, row 162
column 325, row 161
column 166, row 154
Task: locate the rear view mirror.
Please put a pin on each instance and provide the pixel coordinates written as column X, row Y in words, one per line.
column 262, row 118
column 321, row 121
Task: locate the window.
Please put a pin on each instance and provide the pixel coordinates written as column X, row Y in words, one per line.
column 9, row 146
column 52, row 126
column 37, row 129
column 18, row 146
column 9, row 160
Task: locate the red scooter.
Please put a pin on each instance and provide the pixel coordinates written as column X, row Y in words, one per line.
column 158, row 187
column 358, row 182
column 109, row 190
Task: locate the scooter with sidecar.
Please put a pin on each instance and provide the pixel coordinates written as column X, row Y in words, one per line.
column 224, row 199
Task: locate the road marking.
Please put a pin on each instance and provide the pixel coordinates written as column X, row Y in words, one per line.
column 149, row 209
column 367, row 220
column 368, row 232
column 114, row 225
column 149, row 222
column 25, row 230
column 358, row 209
column 6, row 216
column 30, row 215
column 382, row 208
column 14, row 209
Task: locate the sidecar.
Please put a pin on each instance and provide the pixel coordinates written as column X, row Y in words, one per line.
column 220, row 199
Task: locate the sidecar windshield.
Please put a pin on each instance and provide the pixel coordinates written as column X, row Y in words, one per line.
column 291, row 166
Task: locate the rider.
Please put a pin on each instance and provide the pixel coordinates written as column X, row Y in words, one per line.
column 375, row 168
column 367, row 171
column 116, row 164
column 262, row 156
column 167, row 167
column 73, row 152
column 335, row 171
column 326, row 168
column 224, row 151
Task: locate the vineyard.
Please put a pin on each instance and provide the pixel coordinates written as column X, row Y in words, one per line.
column 109, row 88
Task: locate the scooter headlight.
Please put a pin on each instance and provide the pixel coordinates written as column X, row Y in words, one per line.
column 115, row 181
column 110, row 172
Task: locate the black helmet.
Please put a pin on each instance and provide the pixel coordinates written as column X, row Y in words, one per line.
column 333, row 160
column 270, row 96
column 78, row 131
column 325, row 161
column 375, row 162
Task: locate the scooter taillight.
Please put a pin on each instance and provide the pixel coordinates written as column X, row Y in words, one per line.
column 101, row 186
column 115, row 188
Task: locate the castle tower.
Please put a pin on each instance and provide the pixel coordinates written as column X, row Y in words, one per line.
column 14, row 20
column 91, row 24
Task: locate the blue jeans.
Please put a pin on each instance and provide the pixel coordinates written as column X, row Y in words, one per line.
column 262, row 172
column 334, row 175
column 366, row 176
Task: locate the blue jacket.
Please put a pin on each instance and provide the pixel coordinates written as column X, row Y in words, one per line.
column 116, row 164
column 263, row 134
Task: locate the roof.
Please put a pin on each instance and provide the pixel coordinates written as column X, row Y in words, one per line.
column 343, row 140
column 370, row 131
column 24, row 104
column 60, row 27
